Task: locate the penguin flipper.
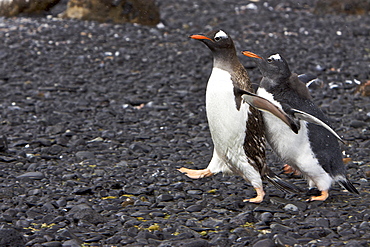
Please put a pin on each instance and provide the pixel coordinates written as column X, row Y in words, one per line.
column 306, row 78
column 310, row 80
column 263, row 104
column 280, row 183
column 312, row 119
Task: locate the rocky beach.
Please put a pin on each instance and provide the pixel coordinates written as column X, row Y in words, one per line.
column 96, row 118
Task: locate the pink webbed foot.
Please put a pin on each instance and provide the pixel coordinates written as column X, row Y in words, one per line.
column 324, row 195
column 288, row 169
column 196, row 173
column 258, row 198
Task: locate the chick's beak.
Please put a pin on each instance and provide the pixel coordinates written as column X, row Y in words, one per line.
column 250, row 54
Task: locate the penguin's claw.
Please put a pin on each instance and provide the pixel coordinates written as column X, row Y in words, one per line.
column 258, row 198
column 288, row 169
column 195, row 174
column 324, row 195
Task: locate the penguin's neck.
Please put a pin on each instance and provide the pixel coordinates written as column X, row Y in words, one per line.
column 227, row 61
column 268, row 84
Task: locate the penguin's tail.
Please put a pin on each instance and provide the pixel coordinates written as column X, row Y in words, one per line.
column 280, row 183
column 348, row 186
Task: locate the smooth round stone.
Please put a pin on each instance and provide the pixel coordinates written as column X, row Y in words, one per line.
column 194, row 208
column 31, row 175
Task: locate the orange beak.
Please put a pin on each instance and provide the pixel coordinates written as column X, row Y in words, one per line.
column 198, row 36
column 251, row 54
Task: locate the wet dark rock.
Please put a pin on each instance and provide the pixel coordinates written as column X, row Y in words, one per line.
column 131, row 223
column 95, row 238
column 72, row 243
column 165, row 198
column 212, row 222
column 140, row 147
column 52, row 244
column 243, row 218
column 83, row 191
column 3, row 143
column 194, row 192
column 317, row 233
column 264, row 243
column 284, row 241
column 32, row 175
column 276, row 227
column 266, row 217
column 220, row 241
column 84, row 213
column 268, row 209
column 357, row 124
column 364, row 226
column 197, row 243
column 55, row 149
column 194, row 208
column 7, row 159
column 11, row 237
column 291, row 208
column 83, row 155
column 334, row 222
column 135, row 190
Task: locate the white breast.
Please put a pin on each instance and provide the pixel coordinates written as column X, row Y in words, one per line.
column 286, row 143
column 293, row 148
column 227, row 124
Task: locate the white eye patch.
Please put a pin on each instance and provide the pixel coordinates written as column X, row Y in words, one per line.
column 275, row 57
column 221, row 34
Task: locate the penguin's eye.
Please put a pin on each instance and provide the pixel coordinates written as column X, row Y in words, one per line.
column 275, row 57
column 220, row 35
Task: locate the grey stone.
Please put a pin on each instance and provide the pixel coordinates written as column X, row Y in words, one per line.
column 72, row 243
column 84, row 155
column 52, row 244
column 85, row 213
column 11, row 237
column 164, row 198
column 264, row 243
column 194, row 208
column 291, row 207
column 276, row 227
column 284, row 241
column 31, row 175
column 266, row 217
column 243, row 218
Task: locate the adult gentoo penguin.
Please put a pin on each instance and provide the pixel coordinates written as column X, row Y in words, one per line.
column 314, row 151
column 236, row 128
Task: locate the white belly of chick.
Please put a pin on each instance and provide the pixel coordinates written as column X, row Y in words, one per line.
column 227, row 124
column 295, row 149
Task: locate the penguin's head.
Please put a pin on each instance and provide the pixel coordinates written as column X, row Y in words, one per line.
column 275, row 67
column 215, row 40
column 218, row 41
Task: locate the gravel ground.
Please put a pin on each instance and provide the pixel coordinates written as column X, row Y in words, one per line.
column 98, row 117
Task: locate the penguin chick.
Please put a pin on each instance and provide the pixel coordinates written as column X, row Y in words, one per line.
column 236, row 128
column 314, row 151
